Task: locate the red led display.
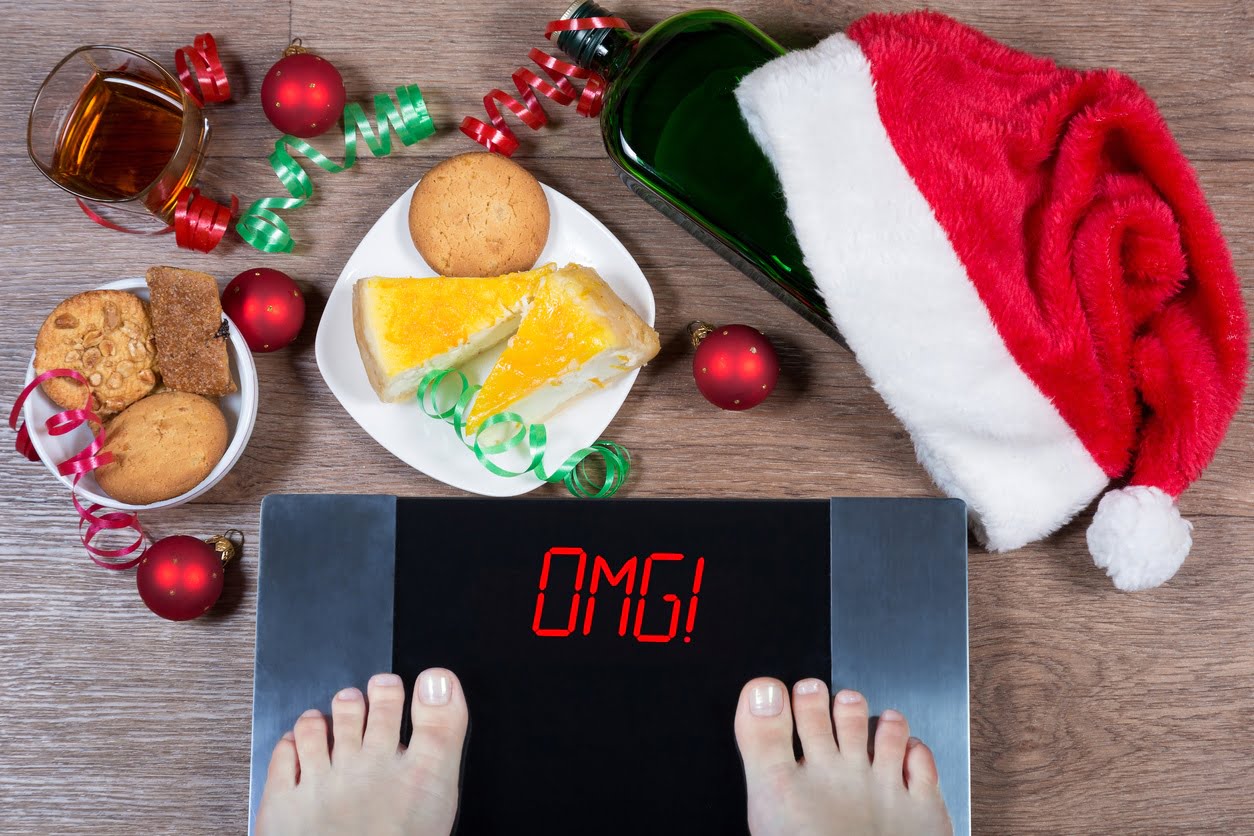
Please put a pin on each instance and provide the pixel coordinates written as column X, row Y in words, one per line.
column 624, row 577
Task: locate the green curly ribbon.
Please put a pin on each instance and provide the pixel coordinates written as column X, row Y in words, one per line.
column 573, row 472
column 261, row 225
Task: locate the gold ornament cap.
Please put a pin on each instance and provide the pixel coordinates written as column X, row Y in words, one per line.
column 227, row 545
column 698, row 331
column 294, row 48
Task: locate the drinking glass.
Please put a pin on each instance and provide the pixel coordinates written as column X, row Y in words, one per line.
column 115, row 129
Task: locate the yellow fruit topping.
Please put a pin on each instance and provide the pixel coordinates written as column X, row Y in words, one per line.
column 573, row 320
column 415, row 320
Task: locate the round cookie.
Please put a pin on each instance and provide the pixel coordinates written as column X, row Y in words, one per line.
column 106, row 336
column 479, row 214
column 162, row 446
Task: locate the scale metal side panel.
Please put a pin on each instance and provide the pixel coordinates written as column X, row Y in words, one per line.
column 899, row 624
column 324, row 609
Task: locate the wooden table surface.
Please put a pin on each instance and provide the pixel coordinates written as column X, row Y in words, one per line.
column 1092, row 711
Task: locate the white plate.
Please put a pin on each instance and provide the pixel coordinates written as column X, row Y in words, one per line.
column 431, row 446
column 239, row 408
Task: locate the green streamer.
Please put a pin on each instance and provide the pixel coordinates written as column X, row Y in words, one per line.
column 261, row 225
column 573, row 472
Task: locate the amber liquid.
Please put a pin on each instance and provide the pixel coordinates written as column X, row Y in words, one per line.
column 118, row 140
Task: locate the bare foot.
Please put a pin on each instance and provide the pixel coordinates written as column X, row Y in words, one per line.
column 368, row 783
column 836, row 787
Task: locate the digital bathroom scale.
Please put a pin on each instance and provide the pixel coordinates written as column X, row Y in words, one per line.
column 602, row 645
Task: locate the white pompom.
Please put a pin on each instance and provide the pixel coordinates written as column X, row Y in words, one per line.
column 1139, row 537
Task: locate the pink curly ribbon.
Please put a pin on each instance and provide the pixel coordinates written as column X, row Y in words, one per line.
column 83, row 462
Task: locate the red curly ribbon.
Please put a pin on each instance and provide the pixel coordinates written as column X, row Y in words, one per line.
column 498, row 136
column 108, row 224
column 78, row 465
column 583, row 24
column 201, row 58
column 200, row 223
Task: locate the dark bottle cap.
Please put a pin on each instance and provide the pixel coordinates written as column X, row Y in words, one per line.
column 588, row 48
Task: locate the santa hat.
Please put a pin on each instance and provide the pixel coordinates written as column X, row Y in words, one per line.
column 1023, row 262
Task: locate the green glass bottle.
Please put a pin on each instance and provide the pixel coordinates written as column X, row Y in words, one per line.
column 673, row 129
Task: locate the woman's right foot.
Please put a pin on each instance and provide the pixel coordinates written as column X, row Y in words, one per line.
column 837, row 786
column 367, row 784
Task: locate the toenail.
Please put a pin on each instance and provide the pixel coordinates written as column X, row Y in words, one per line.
column 313, row 712
column 913, row 741
column 809, row 686
column 287, row 735
column 766, row 700
column 847, row 697
column 892, row 715
column 434, row 688
column 349, row 695
column 385, row 680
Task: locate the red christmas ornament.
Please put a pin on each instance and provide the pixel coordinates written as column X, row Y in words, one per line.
column 302, row 95
column 266, row 306
column 180, row 577
column 735, row 366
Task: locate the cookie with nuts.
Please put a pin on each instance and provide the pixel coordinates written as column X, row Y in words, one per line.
column 106, row 336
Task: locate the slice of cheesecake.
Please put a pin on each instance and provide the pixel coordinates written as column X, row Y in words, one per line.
column 576, row 335
column 406, row 327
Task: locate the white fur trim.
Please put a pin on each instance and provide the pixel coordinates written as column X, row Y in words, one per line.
column 1139, row 537
column 903, row 300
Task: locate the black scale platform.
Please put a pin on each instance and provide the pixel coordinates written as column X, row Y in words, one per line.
column 602, row 645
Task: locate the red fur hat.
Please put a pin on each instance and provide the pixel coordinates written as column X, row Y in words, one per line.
column 1025, row 264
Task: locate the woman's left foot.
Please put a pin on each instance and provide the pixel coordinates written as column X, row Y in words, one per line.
column 838, row 787
column 367, row 783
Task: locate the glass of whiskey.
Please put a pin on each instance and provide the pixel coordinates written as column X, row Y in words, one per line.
column 115, row 129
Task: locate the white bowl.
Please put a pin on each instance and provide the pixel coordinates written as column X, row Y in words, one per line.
column 239, row 408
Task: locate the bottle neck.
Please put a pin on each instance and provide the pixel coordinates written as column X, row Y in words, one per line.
column 604, row 51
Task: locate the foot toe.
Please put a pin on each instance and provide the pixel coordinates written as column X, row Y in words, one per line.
column 383, row 720
column 764, row 726
column 282, row 773
column 312, row 748
column 439, row 716
column 891, row 733
column 348, row 719
column 850, row 714
column 812, row 714
column 921, row 775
